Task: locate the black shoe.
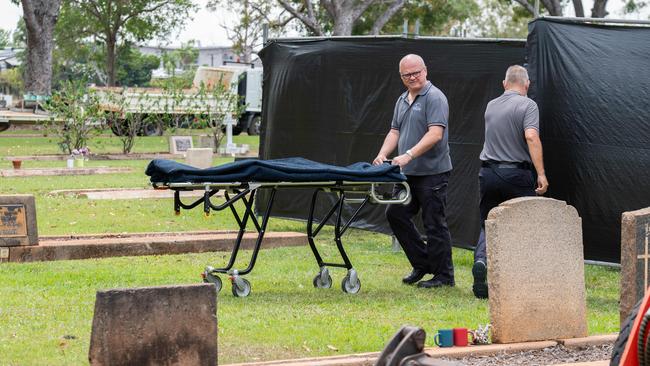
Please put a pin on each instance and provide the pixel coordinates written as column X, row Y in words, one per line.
column 480, row 287
column 434, row 282
column 413, row 277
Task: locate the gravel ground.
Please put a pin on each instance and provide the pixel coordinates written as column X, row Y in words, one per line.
column 547, row 356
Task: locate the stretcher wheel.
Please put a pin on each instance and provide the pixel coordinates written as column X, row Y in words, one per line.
column 216, row 280
column 348, row 286
column 242, row 289
column 319, row 283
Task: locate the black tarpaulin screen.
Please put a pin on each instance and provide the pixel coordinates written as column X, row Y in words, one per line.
column 592, row 85
column 331, row 100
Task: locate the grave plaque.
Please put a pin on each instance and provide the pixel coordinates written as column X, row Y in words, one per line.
column 12, row 221
column 180, row 144
column 17, row 220
column 635, row 258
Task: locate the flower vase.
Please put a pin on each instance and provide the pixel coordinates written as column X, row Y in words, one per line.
column 16, row 163
column 79, row 162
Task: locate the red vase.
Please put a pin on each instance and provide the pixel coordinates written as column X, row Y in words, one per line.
column 16, row 163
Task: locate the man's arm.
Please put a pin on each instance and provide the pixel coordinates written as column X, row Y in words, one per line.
column 433, row 135
column 536, row 155
column 390, row 143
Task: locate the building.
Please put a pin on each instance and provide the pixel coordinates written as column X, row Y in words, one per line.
column 9, row 58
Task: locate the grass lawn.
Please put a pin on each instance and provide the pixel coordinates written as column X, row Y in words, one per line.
column 46, row 308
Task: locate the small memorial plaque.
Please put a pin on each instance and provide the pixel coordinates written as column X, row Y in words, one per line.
column 18, row 220
column 12, row 221
column 180, row 144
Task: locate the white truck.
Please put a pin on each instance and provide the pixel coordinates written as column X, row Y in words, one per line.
column 160, row 106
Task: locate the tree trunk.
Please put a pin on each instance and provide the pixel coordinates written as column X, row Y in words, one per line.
column 579, row 10
column 110, row 60
column 40, row 18
column 600, row 9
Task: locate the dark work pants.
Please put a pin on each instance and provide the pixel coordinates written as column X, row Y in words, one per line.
column 428, row 194
column 498, row 185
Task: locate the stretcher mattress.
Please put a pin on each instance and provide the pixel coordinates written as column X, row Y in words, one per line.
column 276, row 170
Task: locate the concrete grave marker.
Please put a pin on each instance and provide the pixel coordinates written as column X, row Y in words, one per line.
column 199, row 157
column 180, row 144
column 535, row 271
column 635, row 258
column 18, row 220
column 168, row 325
column 207, row 141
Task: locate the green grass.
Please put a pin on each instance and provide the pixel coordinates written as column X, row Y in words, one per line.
column 41, row 303
column 283, row 317
column 104, row 144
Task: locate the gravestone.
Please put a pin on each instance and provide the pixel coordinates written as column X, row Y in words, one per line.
column 180, row 144
column 535, row 271
column 199, row 157
column 168, row 325
column 207, row 141
column 17, row 221
column 635, row 258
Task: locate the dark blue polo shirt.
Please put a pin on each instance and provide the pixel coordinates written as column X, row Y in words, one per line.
column 429, row 108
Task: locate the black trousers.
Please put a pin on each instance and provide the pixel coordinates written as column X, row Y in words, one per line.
column 428, row 194
column 498, row 185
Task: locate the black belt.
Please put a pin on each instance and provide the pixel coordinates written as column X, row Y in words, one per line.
column 505, row 164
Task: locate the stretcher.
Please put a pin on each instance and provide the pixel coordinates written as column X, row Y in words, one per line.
column 241, row 181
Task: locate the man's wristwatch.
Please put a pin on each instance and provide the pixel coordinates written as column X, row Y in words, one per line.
column 410, row 154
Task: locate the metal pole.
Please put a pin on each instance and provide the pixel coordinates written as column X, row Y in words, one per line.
column 536, row 13
column 405, row 30
column 265, row 33
column 417, row 27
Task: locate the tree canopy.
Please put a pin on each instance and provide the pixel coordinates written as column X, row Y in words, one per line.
column 114, row 22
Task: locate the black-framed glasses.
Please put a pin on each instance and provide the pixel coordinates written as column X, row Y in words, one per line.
column 414, row 74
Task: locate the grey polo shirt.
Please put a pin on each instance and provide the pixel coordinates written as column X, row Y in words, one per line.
column 506, row 119
column 429, row 108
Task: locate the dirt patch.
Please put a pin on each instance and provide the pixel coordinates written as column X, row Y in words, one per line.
column 556, row 355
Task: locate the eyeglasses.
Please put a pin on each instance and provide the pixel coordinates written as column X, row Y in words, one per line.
column 414, row 74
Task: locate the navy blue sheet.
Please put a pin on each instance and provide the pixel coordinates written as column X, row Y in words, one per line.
column 277, row 170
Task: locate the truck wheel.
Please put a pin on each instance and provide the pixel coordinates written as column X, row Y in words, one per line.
column 152, row 129
column 624, row 335
column 118, row 127
column 254, row 126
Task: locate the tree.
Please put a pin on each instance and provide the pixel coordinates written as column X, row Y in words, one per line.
column 554, row 7
column 116, row 21
column 133, row 67
column 246, row 34
column 75, row 111
column 436, row 17
column 5, row 38
column 40, row 19
column 342, row 14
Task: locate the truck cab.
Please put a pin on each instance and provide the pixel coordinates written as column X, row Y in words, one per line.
column 247, row 81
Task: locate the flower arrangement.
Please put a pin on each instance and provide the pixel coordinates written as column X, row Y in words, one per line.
column 81, row 153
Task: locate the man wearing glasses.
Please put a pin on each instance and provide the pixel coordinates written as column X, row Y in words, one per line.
column 419, row 132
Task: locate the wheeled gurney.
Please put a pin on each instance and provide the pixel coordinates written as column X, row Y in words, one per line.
column 356, row 184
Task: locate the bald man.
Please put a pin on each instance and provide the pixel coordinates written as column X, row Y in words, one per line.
column 419, row 132
column 512, row 148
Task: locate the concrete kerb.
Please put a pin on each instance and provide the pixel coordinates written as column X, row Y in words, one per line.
column 119, row 245
column 365, row 359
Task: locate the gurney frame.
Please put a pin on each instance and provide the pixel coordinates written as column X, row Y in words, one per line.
column 246, row 191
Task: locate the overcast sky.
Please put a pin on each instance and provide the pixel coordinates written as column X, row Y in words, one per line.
column 206, row 26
